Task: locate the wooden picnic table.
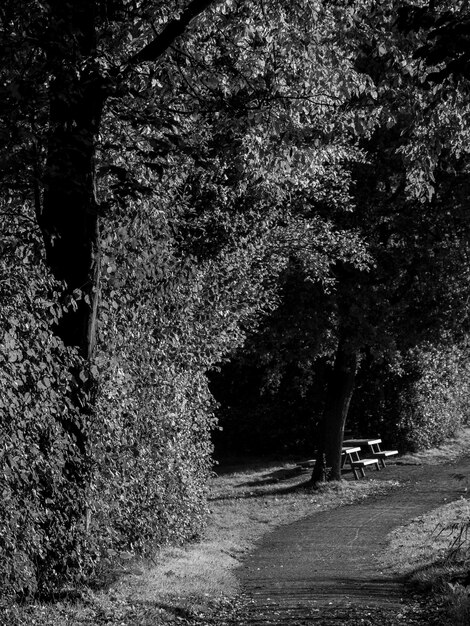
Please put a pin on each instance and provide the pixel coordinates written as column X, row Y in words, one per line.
column 374, row 446
column 350, row 454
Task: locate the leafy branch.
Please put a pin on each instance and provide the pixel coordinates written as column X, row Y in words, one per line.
column 174, row 29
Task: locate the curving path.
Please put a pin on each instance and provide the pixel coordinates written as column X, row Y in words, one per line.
column 329, row 565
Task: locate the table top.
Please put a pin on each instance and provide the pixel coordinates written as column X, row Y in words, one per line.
column 361, row 442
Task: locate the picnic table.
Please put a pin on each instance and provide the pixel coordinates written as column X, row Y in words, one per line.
column 350, row 455
column 373, row 446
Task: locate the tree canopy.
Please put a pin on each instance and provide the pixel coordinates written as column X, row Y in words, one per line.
column 178, row 177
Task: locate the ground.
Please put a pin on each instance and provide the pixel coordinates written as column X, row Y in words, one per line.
column 342, row 562
column 277, row 552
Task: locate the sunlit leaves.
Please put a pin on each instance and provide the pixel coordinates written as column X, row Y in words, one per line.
column 266, row 147
column 35, row 385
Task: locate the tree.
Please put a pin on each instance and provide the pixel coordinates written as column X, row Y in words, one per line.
column 80, row 65
column 108, row 116
column 412, row 286
column 408, row 195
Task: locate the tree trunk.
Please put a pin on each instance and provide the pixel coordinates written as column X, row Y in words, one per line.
column 69, row 222
column 69, row 217
column 339, row 393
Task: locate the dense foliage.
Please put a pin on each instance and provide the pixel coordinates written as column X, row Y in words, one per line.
column 182, row 182
column 409, row 203
column 40, row 506
column 435, row 405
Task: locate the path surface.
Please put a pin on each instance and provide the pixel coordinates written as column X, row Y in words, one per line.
column 331, row 561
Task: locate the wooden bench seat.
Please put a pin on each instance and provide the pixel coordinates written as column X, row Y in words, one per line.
column 384, row 454
column 359, row 465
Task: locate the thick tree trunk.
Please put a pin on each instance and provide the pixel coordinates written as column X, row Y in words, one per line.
column 69, row 217
column 339, row 393
column 69, row 220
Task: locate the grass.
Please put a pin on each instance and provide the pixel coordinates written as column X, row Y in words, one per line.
column 433, row 553
column 433, row 550
column 188, row 585
column 432, row 545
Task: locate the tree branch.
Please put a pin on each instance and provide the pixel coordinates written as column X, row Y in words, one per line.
column 171, row 32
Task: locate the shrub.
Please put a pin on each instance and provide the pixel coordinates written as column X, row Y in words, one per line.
column 42, row 543
column 418, row 401
column 174, row 302
column 437, row 403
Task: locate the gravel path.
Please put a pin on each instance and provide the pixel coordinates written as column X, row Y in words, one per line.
column 327, row 568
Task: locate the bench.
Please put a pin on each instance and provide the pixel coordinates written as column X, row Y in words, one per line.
column 356, row 463
column 358, row 466
column 348, row 455
column 384, row 454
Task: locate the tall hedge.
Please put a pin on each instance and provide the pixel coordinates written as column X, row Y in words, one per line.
column 437, row 402
column 419, row 400
column 42, row 538
column 177, row 296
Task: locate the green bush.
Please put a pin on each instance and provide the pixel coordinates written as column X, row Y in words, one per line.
column 142, row 480
column 154, row 462
column 175, row 297
column 42, row 541
column 437, row 403
column 418, row 401
column 174, row 302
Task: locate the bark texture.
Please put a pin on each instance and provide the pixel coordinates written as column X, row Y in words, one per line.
column 69, row 214
column 339, row 393
column 69, row 218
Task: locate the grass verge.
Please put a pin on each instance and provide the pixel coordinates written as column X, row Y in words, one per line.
column 187, row 585
column 433, row 553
